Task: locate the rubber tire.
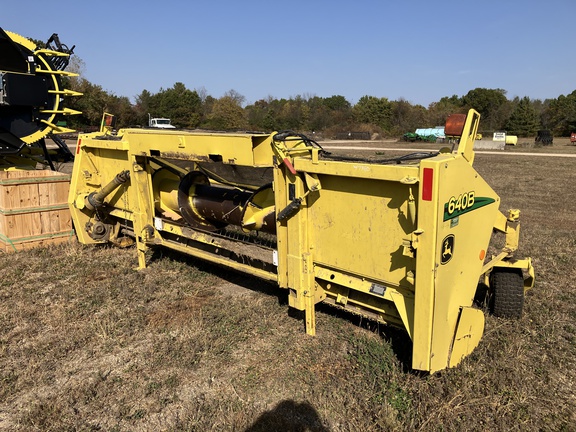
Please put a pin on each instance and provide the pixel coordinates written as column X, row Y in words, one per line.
column 507, row 288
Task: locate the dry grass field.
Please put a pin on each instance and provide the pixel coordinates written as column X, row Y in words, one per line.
column 89, row 344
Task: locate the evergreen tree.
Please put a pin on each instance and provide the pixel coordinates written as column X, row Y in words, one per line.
column 523, row 121
column 142, row 107
column 560, row 115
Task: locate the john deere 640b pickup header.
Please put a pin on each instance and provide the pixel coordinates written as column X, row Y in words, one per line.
column 402, row 240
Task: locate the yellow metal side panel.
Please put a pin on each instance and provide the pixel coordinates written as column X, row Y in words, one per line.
column 468, row 334
column 299, row 257
column 297, row 244
column 263, row 153
column 358, row 225
column 238, row 149
column 142, row 197
column 397, row 173
column 425, row 264
column 93, row 168
column 281, row 201
column 467, row 210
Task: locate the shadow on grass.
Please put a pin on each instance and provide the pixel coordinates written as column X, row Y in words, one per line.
column 289, row 416
column 236, row 277
column 398, row 338
column 483, row 298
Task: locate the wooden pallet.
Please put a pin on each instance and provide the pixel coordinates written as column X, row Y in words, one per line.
column 33, row 209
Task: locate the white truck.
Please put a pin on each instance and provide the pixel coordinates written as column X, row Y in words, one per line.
column 160, row 123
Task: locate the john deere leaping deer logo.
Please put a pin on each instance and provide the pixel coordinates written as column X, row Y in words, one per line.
column 447, row 249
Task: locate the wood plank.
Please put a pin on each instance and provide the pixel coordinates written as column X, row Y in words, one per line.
column 33, row 203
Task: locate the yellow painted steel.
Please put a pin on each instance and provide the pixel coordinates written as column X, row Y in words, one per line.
column 258, row 209
column 468, row 334
column 21, row 40
column 403, row 244
column 46, row 68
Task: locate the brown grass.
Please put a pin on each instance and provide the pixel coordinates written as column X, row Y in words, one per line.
column 88, row 343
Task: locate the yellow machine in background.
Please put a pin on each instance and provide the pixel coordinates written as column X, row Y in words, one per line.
column 402, row 241
column 32, row 92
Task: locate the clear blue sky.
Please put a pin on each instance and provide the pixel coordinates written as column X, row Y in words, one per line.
column 413, row 49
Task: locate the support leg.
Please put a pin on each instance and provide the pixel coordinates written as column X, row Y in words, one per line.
column 310, row 312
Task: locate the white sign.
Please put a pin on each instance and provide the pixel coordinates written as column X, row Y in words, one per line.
column 499, row 136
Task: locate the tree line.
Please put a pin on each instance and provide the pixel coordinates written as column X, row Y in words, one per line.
column 195, row 109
